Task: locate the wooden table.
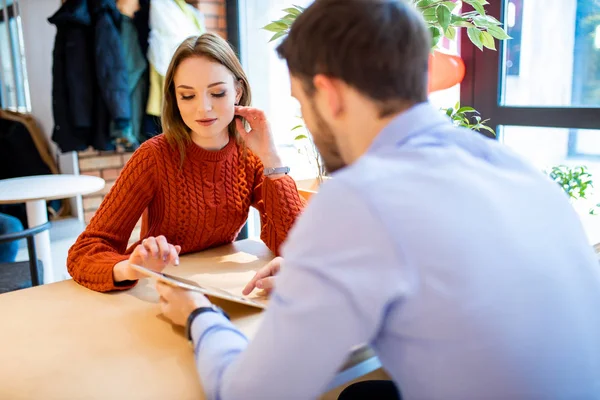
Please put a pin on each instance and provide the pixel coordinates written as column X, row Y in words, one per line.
column 63, row 341
column 35, row 191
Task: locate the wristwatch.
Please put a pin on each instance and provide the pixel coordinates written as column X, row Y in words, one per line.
column 198, row 311
column 275, row 171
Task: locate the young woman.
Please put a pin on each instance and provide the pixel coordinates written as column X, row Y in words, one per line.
column 195, row 183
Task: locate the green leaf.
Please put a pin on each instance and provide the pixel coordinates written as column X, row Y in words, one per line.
column 475, row 37
column 498, row 33
column 443, row 14
column 450, row 33
column 488, row 41
column 487, row 128
column 450, row 4
column 299, row 8
column 466, row 109
column 297, row 127
column 476, row 6
column 287, row 21
column 277, row 36
column 275, row 27
column 435, row 35
column 482, row 22
column 430, row 15
column 425, row 3
column 492, row 19
column 300, row 137
column 460, row 22
column 293, row 11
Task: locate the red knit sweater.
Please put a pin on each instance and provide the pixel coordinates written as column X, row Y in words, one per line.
column 202, row 204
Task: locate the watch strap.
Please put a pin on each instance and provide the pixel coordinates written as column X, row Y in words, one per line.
column 198, row 311
column 277, row 170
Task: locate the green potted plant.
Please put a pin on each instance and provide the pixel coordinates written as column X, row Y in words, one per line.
column 443, row 18
column 576, row 182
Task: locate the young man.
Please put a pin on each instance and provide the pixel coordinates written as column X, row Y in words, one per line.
column 464, row 267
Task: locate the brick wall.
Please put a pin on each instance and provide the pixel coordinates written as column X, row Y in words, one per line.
column 108, row 165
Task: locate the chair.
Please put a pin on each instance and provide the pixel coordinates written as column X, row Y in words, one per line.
column 13, row 275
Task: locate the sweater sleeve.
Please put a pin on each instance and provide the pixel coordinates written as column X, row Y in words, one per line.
column 104, row 242
column 278, row 203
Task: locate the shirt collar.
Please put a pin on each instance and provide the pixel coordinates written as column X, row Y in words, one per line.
column 419, row 118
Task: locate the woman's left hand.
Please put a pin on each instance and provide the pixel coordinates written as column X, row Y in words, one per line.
column 259, row 138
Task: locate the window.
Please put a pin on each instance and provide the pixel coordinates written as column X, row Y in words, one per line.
column 14, row 88
column 541, row 89
column 269, row 78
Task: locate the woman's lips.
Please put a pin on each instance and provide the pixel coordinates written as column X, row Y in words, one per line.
column 206, row 122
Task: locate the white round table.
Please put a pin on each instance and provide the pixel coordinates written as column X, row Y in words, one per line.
column 35, row 191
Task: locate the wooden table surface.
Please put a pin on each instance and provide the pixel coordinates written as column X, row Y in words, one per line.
column 63, row 341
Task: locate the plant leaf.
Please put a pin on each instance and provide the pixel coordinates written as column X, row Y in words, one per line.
column 498, row 33
column 297, row 127
column 300, row 137
column 450, row 33
column 430, row 15
column 466, row 109
column 275, row 27
column 476, row 6
column 475, row 37
column 293, row 11
column 488, row 41
column 277, row 35
column 287, row 21
column 450, row 4
column 435, row 35
column 443, row 14
column 460, row 22
column 425, row 3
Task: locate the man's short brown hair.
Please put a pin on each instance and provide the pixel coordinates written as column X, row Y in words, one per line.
column 379, row 47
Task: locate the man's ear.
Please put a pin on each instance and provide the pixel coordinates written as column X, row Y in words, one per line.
column 329, row 90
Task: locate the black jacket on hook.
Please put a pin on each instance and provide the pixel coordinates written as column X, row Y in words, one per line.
column 89, row 75
column 73, row 76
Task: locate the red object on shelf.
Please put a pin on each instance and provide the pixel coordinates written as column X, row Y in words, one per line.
column 445, row 70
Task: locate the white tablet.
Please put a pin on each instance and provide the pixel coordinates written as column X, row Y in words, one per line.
column 191, row 285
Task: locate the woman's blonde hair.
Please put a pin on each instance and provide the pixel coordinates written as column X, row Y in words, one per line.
column 212, row 47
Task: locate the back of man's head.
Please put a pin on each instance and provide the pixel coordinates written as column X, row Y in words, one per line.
column 379, row 47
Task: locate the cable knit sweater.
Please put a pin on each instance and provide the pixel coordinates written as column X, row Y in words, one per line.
column 202, row 204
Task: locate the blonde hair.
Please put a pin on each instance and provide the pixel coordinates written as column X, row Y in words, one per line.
column 215, row 48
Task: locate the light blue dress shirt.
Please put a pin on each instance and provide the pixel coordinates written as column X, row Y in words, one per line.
column 465, row 268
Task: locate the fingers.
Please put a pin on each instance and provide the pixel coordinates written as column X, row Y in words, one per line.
column 266, row 284
column 164, row 248
column 275, row 265
column 159, row 248
column 173, row 257
column 250, row 113
column 239, row 125
column 270, row 269
column 151, row 246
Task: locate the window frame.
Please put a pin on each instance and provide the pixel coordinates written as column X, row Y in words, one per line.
column 481, row 89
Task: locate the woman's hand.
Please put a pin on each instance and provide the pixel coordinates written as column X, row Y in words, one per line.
column 154, row 253
column 259, row 138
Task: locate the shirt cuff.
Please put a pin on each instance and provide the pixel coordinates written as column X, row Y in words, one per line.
column 203, row 322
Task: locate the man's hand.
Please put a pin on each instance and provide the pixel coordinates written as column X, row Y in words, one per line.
column 177, row 304
column 265, row 277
